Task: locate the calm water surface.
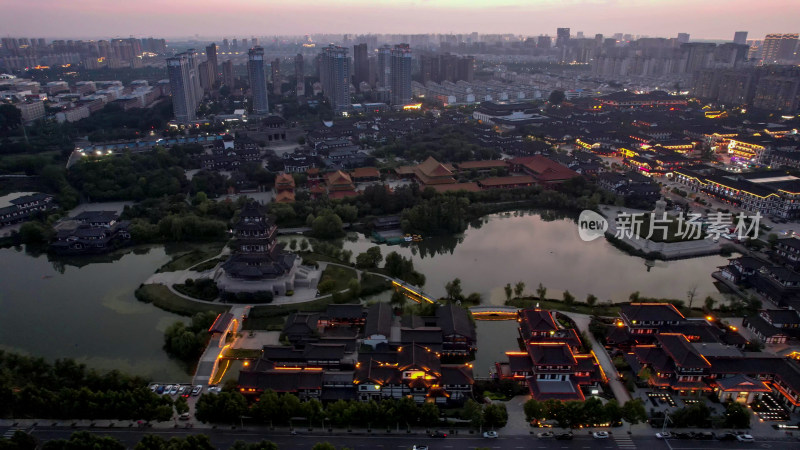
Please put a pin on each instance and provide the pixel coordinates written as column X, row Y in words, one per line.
column 89, row 313
column 507, row 248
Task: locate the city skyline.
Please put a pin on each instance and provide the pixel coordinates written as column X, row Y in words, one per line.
column 181, row 18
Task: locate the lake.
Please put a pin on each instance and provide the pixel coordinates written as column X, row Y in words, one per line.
column 89, row 313
column 507, row 248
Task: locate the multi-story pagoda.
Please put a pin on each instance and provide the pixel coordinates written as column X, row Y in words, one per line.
column 258, row 263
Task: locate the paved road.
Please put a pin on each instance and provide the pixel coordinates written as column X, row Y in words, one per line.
column 223, row 439
column 620, row 392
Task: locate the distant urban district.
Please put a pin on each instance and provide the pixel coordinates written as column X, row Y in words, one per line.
column 279, row 242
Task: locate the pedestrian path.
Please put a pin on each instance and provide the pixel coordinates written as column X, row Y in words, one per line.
column 624, row 441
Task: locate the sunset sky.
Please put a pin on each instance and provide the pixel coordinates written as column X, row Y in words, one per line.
column 708, row 19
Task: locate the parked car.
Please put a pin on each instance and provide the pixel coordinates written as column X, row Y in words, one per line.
column 726, row 437
column 744, row 438
column 160, row 390
column 184, row 416
column 546, row 435
column 214, row 389
column 153, row 388
column 197, row 390
column 419, row 447
column 490, row 434
column 183, row 391
column 564, row 436
column 600, row 435
column 664, row 435
column 174, row 389
column 438, row 434
column 167, row 389
column 704, row 436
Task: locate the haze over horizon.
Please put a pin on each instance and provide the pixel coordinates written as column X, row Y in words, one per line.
column 85, row 19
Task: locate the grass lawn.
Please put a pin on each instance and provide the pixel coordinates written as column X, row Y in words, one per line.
column 160, row 295
column 341, row 275
column 242, row 353
column 272, row 317
column 195, row 254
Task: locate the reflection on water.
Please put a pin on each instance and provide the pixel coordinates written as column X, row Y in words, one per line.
column 84, row 308
column 495, row 337
column 545, row 248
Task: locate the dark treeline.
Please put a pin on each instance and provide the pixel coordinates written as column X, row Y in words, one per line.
column 32, row 387
column 187, row 342
column 281, row 409
column 443, row 142
column 81, row 440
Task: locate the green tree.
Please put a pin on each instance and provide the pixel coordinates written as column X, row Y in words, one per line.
column 397, row 299
column 303, row 245
column 327, row 225
column 591, row 300
column 263, row 445
column 534, row 410
column 541, row 292
column 633, row 411
column 593, row 412
column 453, row 289
column 519, row 288
column 509, row 291
column 354, row 288
column 84, row 440
column 569, row 299
column 709, row 303
column 293, row 244
column 612, row 411
column 556, row 97
column 495, row 415
column 369, row 259
column 323, row 446
column 181, row 406
column 225, row 407
column 10, row 117
column 736, row 416
column 326, row 286
column 473, row 411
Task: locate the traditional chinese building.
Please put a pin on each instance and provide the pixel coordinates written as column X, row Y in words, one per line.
column 551, row 365
column 258, row 263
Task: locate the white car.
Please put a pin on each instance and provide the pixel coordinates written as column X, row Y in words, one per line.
column 490, row 434
column 420, row 447
column 745, row 438
column 600, row 435
column 546, row 435
column 167, row 389
column 664, row 435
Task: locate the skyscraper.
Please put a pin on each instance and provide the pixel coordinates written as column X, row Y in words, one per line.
column 204, row 75
column 184, row 101
column 384, row 66
column 194, row 75
column 227, row 73
column 360, row 64
column 683, row 38
column 299, row 76
column 258, row 80
column 779, row 47
column 275, row 67
column 740, row 37
column 213, row 67
column 562, row 37
column 466, row 69
column 400, row 74
column 334, row 74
